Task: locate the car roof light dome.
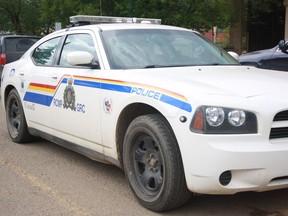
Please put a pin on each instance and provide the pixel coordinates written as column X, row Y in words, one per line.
column 85, row 19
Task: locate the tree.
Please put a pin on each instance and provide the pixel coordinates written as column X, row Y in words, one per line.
column 52, row 11
column 29, row 17
column 194, row 14
column 19, row 16
column 39, row 16
column 12, row 10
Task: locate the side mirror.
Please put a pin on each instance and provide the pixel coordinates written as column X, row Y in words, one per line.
column 234, row 55
column 81, row 58
column 283, row 46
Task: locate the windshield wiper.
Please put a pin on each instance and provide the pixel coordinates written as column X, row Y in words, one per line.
column 155, row 66
column 162, row 66
column 208, row 64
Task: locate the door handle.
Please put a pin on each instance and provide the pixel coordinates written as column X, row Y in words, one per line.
column 54, row 78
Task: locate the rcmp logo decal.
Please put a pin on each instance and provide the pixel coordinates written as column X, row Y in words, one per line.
column 69, row 98
column 69, row 95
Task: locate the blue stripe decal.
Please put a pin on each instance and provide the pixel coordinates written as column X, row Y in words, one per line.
column 47, row 100
column 175, row 102
column 38, row 98
column 65, row 80
column 90, row 84
column 113, row 87
column 106, row 86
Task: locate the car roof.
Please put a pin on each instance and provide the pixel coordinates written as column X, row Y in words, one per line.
column 105, row 23
column 113, row 26
column 117, row 26
column 107, row 26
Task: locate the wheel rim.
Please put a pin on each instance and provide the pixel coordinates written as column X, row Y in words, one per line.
column 14, row 118
column 148, row 164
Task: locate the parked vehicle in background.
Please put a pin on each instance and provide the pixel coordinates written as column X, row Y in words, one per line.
column 12, row 47
column 273, row 59
column 283, row 46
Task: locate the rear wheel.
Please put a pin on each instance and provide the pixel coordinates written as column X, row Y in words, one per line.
column 15, row 119
column 153, row 164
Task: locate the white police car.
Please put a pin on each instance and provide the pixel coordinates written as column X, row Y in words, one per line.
column 177, row 113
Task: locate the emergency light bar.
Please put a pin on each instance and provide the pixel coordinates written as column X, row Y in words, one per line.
column 84, row 20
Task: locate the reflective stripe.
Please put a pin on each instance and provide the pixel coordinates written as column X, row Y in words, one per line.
column 45, row 94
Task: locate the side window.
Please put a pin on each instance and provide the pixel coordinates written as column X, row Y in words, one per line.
column 77, row 42
column 44, row 54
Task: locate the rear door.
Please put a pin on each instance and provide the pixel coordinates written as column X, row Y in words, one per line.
column 35, row 76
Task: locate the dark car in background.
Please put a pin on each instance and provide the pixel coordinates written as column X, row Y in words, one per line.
column 273, row 59
column 12, row 47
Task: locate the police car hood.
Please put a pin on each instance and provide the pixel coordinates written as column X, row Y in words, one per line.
column 241, row 81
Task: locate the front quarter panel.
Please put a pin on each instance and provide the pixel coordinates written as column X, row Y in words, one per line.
column 120, row 91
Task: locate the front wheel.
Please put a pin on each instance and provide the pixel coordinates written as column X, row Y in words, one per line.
column 153, row 164
column 15, row 119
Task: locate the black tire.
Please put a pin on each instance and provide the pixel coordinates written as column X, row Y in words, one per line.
column 15, row 119
column 153, row 164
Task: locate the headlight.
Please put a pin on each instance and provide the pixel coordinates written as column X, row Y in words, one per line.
column 237, row 117
column 219, row 120
column 214, row 116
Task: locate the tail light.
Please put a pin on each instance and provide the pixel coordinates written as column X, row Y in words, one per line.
column 2, row 58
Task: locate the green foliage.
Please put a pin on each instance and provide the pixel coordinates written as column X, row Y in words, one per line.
column 29, row 14
column 10, row 11
column 52, row 11
column 39, row 16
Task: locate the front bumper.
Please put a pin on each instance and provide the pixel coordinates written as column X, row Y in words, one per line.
column 231, row 164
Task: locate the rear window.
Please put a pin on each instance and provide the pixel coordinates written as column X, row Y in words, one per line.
column 16, row 47
column 19, row 44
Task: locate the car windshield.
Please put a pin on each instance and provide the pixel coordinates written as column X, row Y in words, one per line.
column 151, row 48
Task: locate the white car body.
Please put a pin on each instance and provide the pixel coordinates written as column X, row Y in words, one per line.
column 255, row 161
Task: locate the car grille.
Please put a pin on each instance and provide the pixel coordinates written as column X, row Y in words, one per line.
column 280, row 131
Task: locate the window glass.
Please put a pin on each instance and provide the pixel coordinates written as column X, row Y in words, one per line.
column 17, row 46
column 77, row 42
column 146, row 48
column 44, row 54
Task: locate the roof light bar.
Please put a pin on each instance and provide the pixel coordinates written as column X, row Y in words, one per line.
column 84, row 19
